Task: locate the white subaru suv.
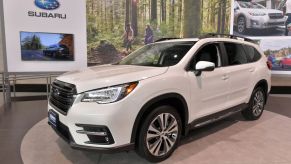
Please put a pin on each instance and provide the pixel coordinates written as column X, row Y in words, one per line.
column 158, row 93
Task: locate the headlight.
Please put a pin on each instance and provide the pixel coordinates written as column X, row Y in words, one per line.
column 110, row 94
column 257, row 14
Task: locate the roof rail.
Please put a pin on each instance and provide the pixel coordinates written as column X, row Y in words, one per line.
column 164, row 39
column 210, row 35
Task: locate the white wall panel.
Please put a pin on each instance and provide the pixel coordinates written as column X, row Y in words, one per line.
column 17, row 19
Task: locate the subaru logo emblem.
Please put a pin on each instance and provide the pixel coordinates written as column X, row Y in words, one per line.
column 47, row 4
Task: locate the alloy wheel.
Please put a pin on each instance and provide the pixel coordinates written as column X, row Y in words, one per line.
column 258, row 103
column 162, row 134
column 241, row 25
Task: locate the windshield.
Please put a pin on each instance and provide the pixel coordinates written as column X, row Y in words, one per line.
column 251, row 5
column 158, row 54
column 53, row 46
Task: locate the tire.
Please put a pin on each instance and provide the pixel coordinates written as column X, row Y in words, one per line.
column 241, row 25
column 54, row 55
column 156, row 143
column 256, row 105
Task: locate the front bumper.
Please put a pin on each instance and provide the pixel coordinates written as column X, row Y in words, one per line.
column 117, row 117
column 65, row 135
column 286, row 65
column 264, row 22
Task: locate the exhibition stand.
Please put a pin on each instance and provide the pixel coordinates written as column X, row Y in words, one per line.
column 35, row 38
column 27, row 29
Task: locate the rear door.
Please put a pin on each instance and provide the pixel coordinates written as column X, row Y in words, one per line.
column 239, row 71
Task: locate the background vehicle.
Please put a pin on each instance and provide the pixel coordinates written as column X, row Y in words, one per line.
column 57, row 50
column 158, row 93
column 286, row 62
column 251, row 15
column 272, row 59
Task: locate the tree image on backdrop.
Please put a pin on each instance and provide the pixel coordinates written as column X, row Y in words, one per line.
column 117, row 27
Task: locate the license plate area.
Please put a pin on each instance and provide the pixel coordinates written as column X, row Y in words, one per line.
column 53, row 118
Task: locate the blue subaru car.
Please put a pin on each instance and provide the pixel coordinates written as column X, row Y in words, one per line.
column 57, row 50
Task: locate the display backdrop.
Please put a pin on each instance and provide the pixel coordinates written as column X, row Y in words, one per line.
column 106, row 22
column 149, row 20
column 39, row 34
column 278, row 52
column 259, row 18
column 266, row 22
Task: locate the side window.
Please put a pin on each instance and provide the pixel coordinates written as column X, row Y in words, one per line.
column 210, row 53
column 236, row 54
column 252, row 53
column 257, row 56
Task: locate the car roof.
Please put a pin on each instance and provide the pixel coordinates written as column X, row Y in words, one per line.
column 237, row 40
column 180, row 40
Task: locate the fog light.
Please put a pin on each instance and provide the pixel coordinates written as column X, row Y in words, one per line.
column 96, row 134
column 254, row 23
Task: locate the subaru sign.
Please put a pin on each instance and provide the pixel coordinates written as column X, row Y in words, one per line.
column 47, row 4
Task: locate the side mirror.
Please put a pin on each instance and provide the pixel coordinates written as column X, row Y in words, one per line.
column 203, row 66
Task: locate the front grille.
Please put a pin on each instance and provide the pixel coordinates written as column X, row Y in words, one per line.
column 62, row 96
column 275, row 23
column 276, row 15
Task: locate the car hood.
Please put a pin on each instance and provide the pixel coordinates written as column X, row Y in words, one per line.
column 109, row 75
column 267, row 11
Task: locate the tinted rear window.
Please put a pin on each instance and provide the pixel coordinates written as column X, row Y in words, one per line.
column 252, row 54
column 236, row 54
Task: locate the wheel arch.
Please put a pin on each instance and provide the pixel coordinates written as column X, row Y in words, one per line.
column 241, row 15
column 264, row 84
column 174, row 99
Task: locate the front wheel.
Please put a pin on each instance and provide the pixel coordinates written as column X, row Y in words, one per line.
column 160, row 134
column 241, row 25
column 256, row 105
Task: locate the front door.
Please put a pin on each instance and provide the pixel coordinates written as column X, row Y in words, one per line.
column 209, row 91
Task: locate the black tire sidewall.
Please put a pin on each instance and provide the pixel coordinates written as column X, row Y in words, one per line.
column 142, row 147
column 248, row 113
